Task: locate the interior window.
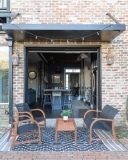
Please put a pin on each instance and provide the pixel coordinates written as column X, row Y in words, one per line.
column 72, row 70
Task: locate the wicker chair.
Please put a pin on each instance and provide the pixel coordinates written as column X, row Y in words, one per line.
column 105, row 122
column 27, row 128
column 24, row 107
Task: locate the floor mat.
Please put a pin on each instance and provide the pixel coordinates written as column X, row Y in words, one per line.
column 65, row 142
column 79, row 105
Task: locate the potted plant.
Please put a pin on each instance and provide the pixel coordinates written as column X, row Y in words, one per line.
column 65, row 114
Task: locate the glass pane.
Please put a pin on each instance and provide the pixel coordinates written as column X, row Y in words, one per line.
column 0, row 3
column 76, row 70
column 73, row 70
column 5, row 5
column 4, row 71
column 69, row 70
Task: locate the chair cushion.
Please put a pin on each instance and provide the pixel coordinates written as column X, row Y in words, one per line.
column 26, row 128
column 109, row 112
column 30, row 90
column 39, row 118
column 22, row 107
column 97, row 125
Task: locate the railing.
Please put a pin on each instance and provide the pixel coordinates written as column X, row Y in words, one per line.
column 5, row 5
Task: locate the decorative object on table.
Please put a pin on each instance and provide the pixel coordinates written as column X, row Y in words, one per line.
column 56, row 78
column 65, row 114
column 32, row 74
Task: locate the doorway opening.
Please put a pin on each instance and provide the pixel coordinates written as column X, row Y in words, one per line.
column 76, row 68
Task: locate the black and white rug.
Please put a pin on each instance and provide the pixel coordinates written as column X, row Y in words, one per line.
column 65, row 142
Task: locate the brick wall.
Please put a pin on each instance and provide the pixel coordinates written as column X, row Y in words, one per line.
column 114, row 77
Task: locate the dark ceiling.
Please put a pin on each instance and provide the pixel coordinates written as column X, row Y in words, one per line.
column 61, row 57
column 65, row 54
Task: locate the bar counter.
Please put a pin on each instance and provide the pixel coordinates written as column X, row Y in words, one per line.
column 57, row 97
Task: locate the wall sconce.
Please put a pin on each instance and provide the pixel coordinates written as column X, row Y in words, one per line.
column 110, row 58
column 15, row 59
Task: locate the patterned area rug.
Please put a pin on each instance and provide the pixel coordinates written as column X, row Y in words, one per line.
column 65, row 142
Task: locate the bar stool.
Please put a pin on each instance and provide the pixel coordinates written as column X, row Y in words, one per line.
column 67, row 99
column 56, row 101
column 47, row 99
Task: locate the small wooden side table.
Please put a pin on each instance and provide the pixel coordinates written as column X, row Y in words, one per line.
column 65, row 126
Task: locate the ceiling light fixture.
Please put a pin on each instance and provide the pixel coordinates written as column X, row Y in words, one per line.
column 58, row 70
column 98, row 33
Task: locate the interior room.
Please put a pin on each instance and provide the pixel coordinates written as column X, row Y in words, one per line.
column 63, row 78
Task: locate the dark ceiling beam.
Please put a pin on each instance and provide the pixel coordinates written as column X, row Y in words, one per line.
column 42, row 57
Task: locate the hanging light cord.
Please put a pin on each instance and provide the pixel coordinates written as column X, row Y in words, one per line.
column 51, row 39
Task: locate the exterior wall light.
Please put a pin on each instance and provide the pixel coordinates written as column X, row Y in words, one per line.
column 110, row 58
column 15, row 59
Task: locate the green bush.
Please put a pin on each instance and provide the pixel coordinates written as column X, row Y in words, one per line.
column 66, row 113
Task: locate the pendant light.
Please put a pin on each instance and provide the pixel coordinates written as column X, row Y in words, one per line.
column 58, row 70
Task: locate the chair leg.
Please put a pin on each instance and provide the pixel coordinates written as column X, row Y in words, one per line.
column 44, row 102
column 39, row 135
column 84, row 125
column 113, row 132
column 114, row 135
column 13, row 141
column 90, row 136
column 9, row 134
column 45, row 124
column 32, row 133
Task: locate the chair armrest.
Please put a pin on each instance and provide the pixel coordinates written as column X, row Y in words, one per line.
column 101, row 119
column 25, row 113
column 26, row 120
column 91, row 111
column 32, row 110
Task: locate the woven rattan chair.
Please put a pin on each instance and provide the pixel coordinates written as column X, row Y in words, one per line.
column 28, row 127
column 24, row 107
column 105, row 122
